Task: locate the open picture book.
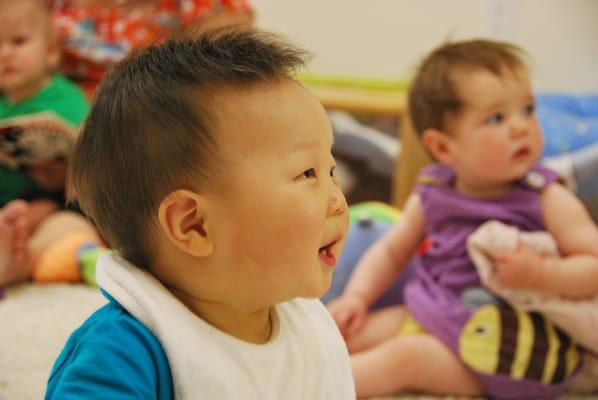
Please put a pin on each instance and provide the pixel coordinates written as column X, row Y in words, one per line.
column 32, row 138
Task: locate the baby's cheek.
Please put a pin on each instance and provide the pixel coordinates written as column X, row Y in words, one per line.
column 281, row 236
column 493, row 153
column 305, row 228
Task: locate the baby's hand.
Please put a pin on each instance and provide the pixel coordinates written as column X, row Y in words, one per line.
column 349, row 312
column 520, row 268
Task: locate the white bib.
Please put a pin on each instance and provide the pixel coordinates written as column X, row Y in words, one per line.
column 306, row 357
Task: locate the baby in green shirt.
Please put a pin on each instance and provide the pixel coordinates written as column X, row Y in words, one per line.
column 29, row 54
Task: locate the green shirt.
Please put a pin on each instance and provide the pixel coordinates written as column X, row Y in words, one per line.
column 60, row 96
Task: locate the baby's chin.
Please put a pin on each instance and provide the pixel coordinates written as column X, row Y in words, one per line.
column 318, row 292
column 523, row 169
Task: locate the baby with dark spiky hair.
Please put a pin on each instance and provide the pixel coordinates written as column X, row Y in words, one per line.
column 208, row 168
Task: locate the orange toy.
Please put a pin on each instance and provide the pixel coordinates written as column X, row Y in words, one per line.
column 54, row 245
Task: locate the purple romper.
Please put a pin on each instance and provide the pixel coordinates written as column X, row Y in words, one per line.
column 515, row 355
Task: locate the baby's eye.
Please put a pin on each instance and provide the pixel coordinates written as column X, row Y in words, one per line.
column 18, row 40
column 309, row 173
column 529, row 109
column 495, row 119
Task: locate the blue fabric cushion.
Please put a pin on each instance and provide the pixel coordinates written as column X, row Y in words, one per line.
column 569, row 122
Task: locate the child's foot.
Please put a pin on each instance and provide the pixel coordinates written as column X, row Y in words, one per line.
column 18, row 210
column 14, row 232
column 6, row 234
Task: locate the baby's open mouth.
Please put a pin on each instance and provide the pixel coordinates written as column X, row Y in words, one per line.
column 522, row 153
column 326, row 255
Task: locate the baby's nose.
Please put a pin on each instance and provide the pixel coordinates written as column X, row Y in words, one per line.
column 337, row 203
column 519, row 127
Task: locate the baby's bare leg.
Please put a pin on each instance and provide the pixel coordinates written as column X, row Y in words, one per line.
column 378, row 327
column 6, row 235
column 416, row 363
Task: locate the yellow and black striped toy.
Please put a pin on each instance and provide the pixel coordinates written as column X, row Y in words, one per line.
column 498, row 340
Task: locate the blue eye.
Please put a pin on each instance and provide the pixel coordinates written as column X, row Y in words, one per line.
column 495, row 119
column 529, row 109
column 310, row 173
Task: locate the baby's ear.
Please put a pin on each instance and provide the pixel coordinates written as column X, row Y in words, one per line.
column 183, row 219
column 439, row 144
column 54, row 49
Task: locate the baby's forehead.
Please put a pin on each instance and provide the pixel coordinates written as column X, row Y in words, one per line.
column 264, row 103
column 275, row 115
column 463, row 75
column 32, row 14
column 478, row 86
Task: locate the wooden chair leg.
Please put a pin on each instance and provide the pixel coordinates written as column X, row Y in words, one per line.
column 411, row 159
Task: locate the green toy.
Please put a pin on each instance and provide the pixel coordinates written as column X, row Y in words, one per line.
column 373, row 211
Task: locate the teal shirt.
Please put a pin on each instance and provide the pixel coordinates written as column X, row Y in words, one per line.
column 111, row 356
column 61, row 96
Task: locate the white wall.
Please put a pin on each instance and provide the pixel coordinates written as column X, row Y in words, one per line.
column 387, row 38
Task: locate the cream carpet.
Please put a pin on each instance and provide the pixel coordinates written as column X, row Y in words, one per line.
column 36, row 320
